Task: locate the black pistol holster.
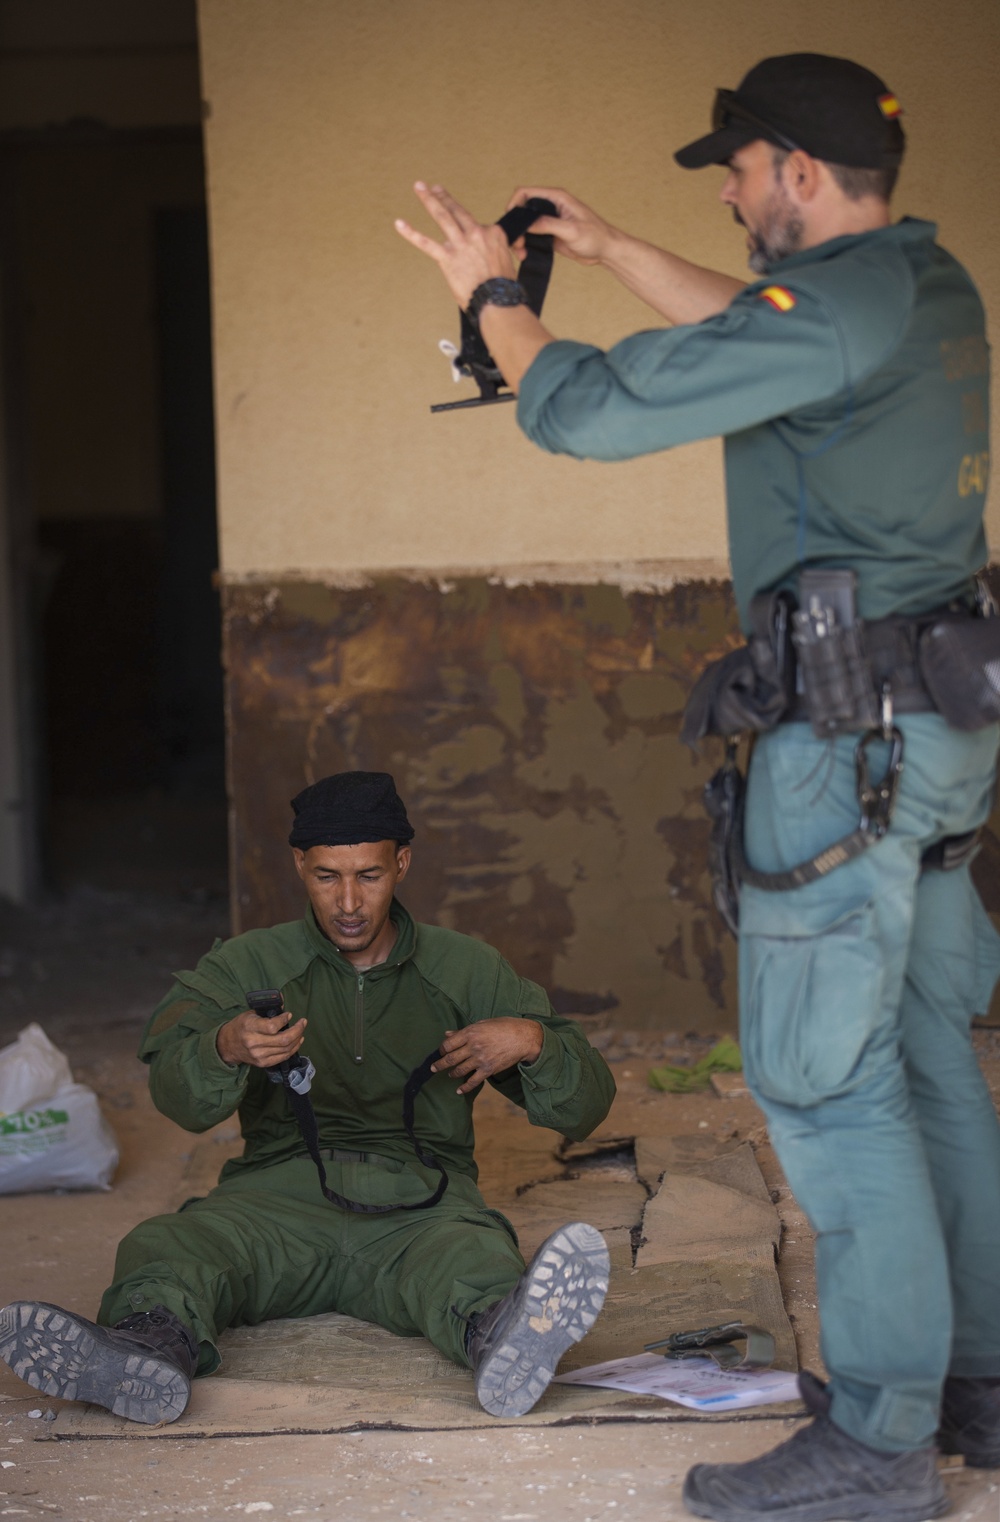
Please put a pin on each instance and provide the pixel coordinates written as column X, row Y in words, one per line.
column 812, row 658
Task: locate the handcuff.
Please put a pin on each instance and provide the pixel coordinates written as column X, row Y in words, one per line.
column 472, row 358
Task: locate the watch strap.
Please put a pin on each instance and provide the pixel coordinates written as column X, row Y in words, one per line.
column 497, row 292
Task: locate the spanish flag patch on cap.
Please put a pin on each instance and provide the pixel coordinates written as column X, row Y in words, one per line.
column 889, row 106
column 780, row 299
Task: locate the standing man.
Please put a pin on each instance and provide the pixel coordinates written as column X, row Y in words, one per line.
column 850, row 382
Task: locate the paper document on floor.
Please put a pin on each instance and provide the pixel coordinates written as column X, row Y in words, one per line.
column 695, row 1382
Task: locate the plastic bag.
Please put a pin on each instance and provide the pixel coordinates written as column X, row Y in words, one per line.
column 31, row 1069
column 52, row 1132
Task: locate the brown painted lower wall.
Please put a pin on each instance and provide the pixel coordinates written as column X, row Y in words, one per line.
column 533, row 732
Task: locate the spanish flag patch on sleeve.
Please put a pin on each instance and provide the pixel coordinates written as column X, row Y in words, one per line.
column 781, row 299
column 889, row 106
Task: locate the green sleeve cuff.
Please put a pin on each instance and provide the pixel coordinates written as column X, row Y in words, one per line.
column 214, row 1067
column 546, row 1069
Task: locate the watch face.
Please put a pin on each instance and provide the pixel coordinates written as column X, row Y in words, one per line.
column 506, row 293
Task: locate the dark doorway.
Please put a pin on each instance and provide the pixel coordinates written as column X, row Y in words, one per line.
column 111, row 288
column 189, row 672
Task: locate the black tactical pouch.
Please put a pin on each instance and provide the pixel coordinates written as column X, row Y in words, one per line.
column 959, row 659
column 750, row 688
column 834, row 670
column 723, row 799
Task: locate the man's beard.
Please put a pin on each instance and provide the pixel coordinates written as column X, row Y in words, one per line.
column 779, row 234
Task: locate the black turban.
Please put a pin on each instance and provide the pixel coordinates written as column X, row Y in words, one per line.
column 349, row 809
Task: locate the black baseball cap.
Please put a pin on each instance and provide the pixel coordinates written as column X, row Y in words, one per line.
column 831, row 108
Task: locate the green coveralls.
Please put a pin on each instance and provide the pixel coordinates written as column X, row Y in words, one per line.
column 851, row 386
column 265, row 1242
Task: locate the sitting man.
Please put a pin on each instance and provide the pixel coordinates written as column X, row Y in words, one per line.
column 372, row 994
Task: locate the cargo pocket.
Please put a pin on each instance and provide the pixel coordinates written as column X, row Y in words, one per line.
column 811, row 1003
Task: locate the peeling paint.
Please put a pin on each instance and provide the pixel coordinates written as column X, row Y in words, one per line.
column 626, row 575
column 533, row 731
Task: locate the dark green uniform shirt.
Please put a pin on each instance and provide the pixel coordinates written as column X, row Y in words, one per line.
column 851, row 387
column 366, row 1033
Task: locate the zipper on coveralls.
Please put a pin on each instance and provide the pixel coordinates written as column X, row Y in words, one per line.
column 359, row 1019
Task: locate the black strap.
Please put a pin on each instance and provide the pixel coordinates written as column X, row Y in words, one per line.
column 304, row 1113
column 474, row 359
column 952, row 852
column 838, row 855
column 876, row 802
column 725, row 800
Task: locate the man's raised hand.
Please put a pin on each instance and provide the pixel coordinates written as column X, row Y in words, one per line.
column 478, row 1051
column 579, row 233
column 470, row 253
column 249, row 1039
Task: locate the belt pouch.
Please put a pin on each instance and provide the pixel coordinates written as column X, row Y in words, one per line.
column 959, row 660
column 749, row 688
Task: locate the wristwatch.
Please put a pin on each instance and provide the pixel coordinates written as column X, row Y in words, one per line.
column 498, row 292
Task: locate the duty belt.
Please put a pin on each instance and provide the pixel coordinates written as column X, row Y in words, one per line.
column 890, row 645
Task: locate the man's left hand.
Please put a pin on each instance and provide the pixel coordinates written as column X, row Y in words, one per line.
column 470, row 253
column 488, row 1047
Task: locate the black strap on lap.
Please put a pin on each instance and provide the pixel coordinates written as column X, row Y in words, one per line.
column 474, row 359
column 304, row 1113
column 295, row 1076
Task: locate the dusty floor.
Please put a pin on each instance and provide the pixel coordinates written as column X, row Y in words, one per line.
column 88, row 969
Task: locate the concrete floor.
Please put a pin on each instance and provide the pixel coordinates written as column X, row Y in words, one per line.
column 88, row 970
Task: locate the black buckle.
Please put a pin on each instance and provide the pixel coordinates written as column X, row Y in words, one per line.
column 878, row 800
column 717, row 1342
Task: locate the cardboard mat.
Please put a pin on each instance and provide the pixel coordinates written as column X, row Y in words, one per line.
column 692, row 1234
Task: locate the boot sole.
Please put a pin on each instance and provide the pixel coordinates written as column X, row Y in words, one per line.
column 888, row 1507
column 63, row 1355
column 557, row 1302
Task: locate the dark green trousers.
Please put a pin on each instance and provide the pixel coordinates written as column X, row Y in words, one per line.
column 267, row 1244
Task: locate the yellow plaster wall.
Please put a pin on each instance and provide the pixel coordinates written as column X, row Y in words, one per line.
column 320, row 115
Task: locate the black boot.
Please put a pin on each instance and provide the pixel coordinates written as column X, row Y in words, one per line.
column 818, row 1475
column 970, row 1421
column 141, row 1368
column 514, row 1347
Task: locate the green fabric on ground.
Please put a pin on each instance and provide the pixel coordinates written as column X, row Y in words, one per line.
column 723, row 1058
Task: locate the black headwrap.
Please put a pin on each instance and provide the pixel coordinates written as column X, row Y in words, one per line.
column 349, row 809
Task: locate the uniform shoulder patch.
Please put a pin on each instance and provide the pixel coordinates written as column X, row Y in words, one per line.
column 889, row 106
column 781, row 299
